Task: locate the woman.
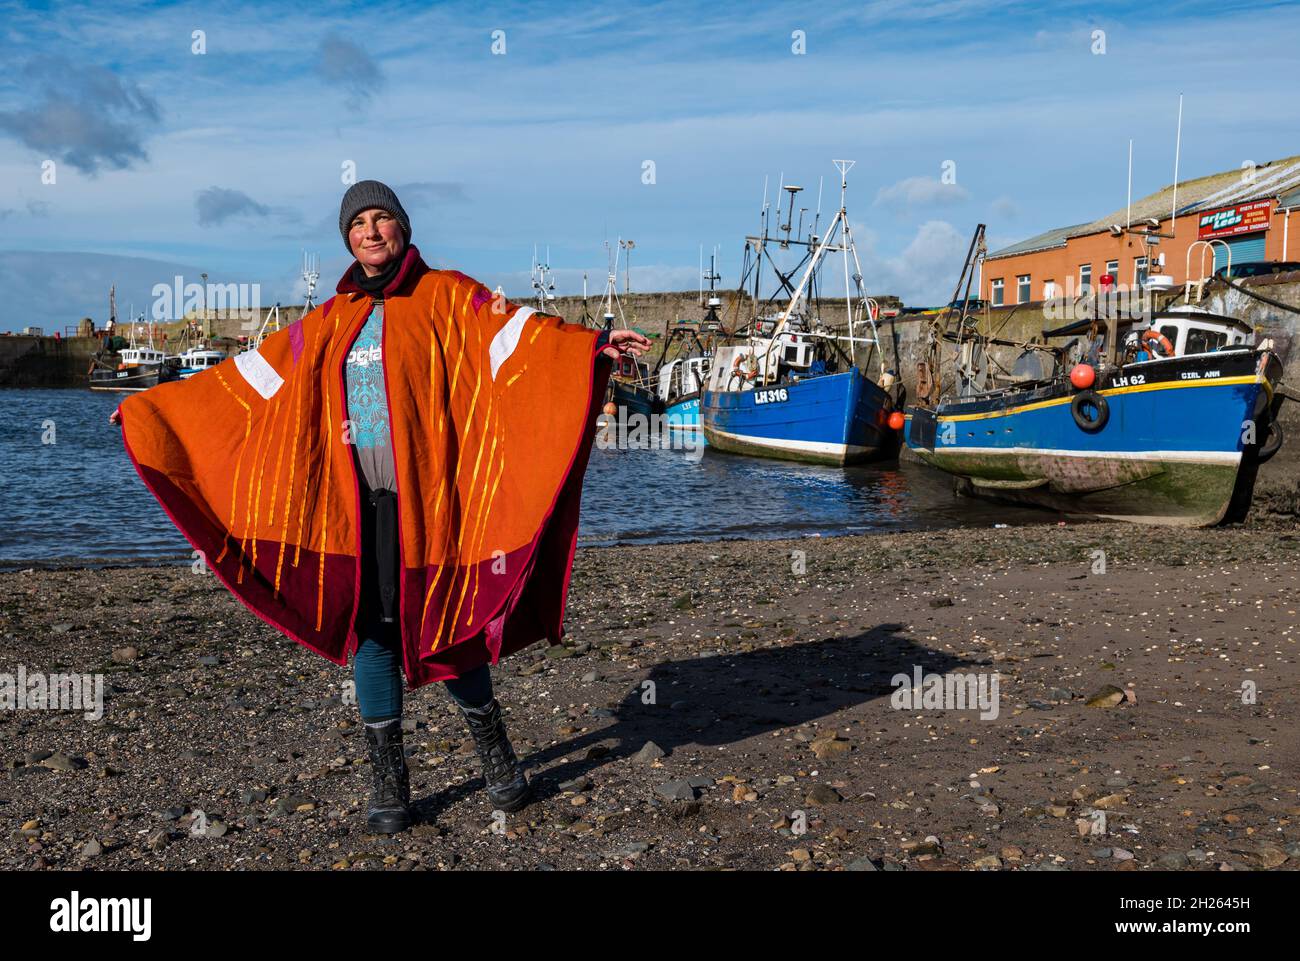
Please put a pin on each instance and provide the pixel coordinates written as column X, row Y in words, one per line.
column 473, row 472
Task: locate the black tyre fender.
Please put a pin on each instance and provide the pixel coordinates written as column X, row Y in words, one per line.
column 1089, row 397
column 1272, row 443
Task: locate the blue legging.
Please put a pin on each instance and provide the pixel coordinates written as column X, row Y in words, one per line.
column 377, row 671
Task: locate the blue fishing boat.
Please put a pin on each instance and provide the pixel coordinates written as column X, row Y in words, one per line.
column 683, row 420
column 824, row 418
column 682, row 379
column 1160, row 421
column 670, row 389
column 789, row 386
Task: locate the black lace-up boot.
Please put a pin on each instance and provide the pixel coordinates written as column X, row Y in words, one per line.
column 390, row 803
column 507, row 787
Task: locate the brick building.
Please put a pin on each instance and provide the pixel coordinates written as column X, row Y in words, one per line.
column 1248, row 210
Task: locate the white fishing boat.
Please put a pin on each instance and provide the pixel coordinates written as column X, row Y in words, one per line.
column 139, row 366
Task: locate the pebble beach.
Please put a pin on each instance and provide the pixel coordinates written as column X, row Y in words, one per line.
column 724, row 705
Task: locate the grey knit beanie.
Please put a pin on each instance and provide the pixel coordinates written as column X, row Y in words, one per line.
column 365, row 194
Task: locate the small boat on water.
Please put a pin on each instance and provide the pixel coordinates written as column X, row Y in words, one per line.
column 192, row 360
column 680, row 383
column 1159, row 419
column 139, row 366
column 681, row 379
column 790, row 386
column 671, row 387
column 629, row 384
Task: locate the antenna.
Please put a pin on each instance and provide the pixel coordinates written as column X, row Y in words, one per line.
column 310, row 275
column 627, row 264
column 812, row 237
column 1128, row 217
column 711, row 276
column 792, row 190
column 844, row 166
column 1178, row 144
column 762, row 216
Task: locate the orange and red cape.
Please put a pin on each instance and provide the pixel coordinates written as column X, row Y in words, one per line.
column 492, row 411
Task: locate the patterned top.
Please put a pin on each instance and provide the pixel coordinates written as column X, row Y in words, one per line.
column 368, row 404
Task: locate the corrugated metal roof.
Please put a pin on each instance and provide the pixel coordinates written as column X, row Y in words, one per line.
column 1044, row 241
column 1271, row 181
column 1289, row 200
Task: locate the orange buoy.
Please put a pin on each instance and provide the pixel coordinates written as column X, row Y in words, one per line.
column 1083, row 376
column 610, row 409
column 1154, row 337
column 897, row 420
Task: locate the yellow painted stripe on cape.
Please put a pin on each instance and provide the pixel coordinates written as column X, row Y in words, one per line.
column 1109, row 392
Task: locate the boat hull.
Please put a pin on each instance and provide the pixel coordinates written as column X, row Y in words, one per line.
column 682, row 417
column 634, row 399
column 831, row 419
column 132, row 378
column 1174, row 449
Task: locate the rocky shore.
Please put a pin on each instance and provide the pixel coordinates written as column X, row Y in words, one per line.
column 715, row 706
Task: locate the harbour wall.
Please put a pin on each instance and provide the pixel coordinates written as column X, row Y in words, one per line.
column 35, row 361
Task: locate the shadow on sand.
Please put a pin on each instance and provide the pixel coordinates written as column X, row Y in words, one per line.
column 726, row 698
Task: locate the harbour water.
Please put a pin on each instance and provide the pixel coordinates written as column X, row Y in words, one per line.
column 72, row 498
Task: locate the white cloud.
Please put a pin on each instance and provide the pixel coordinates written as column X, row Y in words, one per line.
column 926, row 270
column 1005, row 207
column 921, row 191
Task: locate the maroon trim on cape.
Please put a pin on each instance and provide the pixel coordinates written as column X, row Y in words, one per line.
column 298, row 584
column 296, row 339
column 533, row 607
column 411, row 270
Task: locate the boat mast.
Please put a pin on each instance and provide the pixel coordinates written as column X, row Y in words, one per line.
column 310, row 275
column 611, row 286
column 841, row 220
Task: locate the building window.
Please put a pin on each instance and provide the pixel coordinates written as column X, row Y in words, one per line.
column 1022, row 289
column 1085, row 278
column 1049, row 289
column 1112, row 268
column 996, row 292
column 1140, row 272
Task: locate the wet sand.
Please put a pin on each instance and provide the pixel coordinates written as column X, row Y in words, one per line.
column 770, row 702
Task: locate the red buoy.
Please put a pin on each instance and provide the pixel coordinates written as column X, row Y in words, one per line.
column 1083, row 376
column 610, row 409
column 897, row 420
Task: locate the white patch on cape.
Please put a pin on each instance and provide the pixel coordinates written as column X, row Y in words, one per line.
column 507, row 339
column 258, row 371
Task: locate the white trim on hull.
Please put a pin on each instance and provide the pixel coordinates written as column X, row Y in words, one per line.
column 1225, row 458
column 800, row 446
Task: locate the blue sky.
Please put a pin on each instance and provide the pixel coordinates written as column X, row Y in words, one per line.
column 230, row 161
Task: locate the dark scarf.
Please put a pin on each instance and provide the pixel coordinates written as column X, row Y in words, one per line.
column 374, row 286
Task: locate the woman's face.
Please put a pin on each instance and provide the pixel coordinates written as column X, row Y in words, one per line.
column 375, row 238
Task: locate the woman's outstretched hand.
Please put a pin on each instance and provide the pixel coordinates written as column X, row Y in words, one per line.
column 115, row 417
column 626, row 342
